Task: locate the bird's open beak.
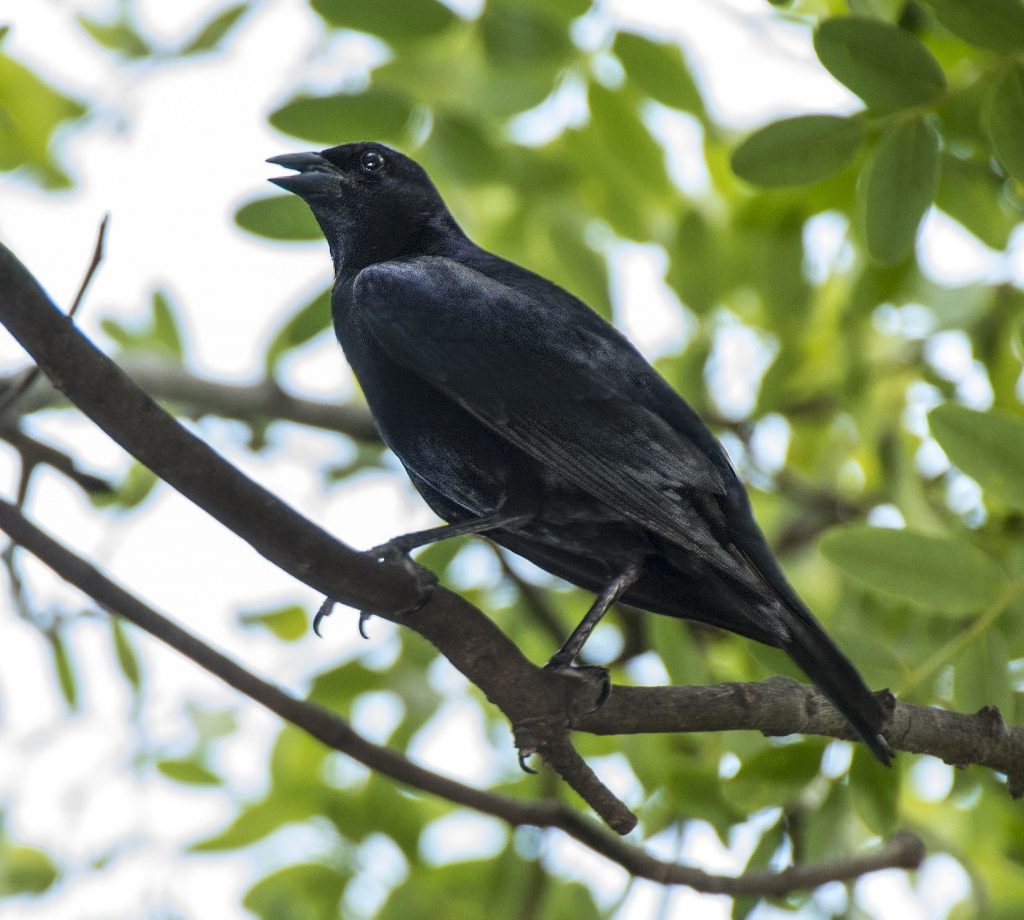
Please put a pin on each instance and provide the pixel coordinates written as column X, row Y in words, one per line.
column 311, row 170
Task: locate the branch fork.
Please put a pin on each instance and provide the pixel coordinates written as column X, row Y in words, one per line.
column 542, row 706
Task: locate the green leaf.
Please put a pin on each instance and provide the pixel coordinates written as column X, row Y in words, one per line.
column 824, row 834
column 131, row 492
column 304, row 324
column 214, row 32
column 773, row 775
column 304, row 892
column 160, row 334
column 210, row 724
column 939, row 574
column 460, row 146
column 660, row 71
column 390, row 19
column 188, row 772
column 635, row 155
column 973, row 194
column 523, row 38
column 279, row 217
column 883, row 64
column 31, row 112
column 982, row 675
column 165, row 325
column 987, row 446
column 287, row 623
column 119, row 36
column 994, row 24
column 876, row 792
column 697, row 256
column 900, row 181
column 564, row 9
column 64, row 669
column 345, row 117
column 24, row 870
column 889, row 10
column 338, row 687
column 1004, row 120
column 798, row 151
column 127, row 660
column 256, row 821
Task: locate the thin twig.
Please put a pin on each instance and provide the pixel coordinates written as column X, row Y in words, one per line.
column 34, row 453
column 97, row 257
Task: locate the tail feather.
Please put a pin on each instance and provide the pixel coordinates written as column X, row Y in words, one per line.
column 820, row 659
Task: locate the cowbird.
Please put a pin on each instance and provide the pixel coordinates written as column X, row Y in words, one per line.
column 520, row 414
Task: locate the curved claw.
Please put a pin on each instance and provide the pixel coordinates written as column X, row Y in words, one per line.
column 523, row 765
column 325, row 611
column 386, row 552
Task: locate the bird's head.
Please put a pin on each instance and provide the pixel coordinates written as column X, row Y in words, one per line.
column 372, row 203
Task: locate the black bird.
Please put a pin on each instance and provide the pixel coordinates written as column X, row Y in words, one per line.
column 521, row 414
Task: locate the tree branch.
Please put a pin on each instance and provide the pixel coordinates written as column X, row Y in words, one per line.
column 198, row 396
column 528, row 696
column 284, row 537
column 33, row 453
column 903, row 851
column 783, row 706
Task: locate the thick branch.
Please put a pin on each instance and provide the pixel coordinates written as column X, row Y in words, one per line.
column 105, row 393
column 459, row 631
column 280, row 534
column 782, row 706
column 903, row 851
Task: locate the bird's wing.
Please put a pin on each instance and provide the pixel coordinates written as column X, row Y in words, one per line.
column 560, row 385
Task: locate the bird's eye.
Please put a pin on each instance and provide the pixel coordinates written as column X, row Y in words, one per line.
column 371, row 161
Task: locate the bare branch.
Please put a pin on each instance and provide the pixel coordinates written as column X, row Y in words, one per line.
column 280, row 534
column 528, row 696
column 198, row 396
column 33, row 453
column 903, row 851
column 782, row 706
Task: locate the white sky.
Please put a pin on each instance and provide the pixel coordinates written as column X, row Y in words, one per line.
column 170, row 152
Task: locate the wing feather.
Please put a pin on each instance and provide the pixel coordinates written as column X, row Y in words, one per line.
column 567, row 392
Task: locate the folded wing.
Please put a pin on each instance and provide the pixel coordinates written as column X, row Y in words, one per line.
column 575, row 398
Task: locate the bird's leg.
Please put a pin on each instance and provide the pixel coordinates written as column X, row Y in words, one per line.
column 397, row 550
column 618, row 586
column 409, row 541
column 596, row 677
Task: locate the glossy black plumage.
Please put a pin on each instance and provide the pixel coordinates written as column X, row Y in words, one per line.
column 502, row 393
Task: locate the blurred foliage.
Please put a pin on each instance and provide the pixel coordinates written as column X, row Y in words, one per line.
column 546, row 139
column 31, row 111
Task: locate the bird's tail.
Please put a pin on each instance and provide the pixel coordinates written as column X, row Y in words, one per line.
column 820, row 659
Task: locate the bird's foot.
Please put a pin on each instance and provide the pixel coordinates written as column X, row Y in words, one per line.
column 392, row 553
column 592, row 676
